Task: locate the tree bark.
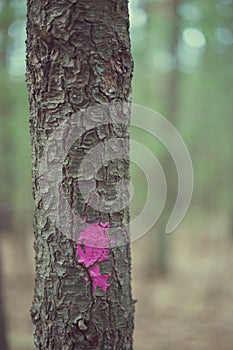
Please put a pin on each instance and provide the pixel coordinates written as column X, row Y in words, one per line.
column 78, row 55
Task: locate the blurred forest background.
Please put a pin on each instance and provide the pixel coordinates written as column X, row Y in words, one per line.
column 183, row 52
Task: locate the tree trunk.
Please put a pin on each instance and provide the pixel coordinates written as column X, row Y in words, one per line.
column 5, row 214
column 6, row 19
column 158, row 261
column 172, row 108
column 3, row 332
column 78, row 55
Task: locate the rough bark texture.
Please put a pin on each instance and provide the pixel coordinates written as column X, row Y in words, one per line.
column 78, row 54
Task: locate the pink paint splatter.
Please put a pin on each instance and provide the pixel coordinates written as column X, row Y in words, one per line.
column 92, row 247
column 99, row 280
column 93, row 244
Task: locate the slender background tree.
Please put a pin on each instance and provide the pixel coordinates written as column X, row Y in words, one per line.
column 3, row 328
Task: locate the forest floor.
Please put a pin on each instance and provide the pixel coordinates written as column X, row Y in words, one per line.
column 189, row 308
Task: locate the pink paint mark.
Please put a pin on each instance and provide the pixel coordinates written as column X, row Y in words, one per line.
column 93, row 244
column 99, row 280
column 92, row 247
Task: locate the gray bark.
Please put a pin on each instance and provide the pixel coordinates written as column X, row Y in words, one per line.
column 78, row 54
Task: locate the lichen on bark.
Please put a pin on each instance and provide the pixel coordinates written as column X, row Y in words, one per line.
column 78, row 55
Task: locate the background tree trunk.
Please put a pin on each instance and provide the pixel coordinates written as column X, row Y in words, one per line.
column 78, row 54
column 3, row 338
column 5, row 22
column 158, row 261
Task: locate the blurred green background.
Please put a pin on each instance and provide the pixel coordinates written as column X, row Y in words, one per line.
column 183, row 53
